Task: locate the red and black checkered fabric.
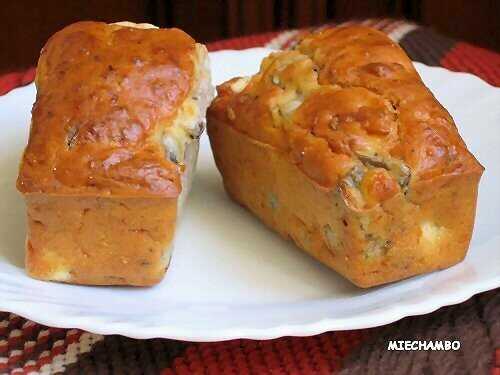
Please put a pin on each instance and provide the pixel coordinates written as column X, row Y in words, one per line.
column 30, row 348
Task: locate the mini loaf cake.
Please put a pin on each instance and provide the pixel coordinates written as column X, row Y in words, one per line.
column 339, row 146
column 112, row 146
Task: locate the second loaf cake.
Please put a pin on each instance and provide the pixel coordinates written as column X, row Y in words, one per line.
column 339, row 146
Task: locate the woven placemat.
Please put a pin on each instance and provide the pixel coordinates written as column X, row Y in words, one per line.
column 30, row 348
column 27, row 347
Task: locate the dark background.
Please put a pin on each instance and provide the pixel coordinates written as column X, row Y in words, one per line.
column 25, row 25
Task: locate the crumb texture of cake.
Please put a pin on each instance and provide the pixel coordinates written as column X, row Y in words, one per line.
column 340, row 146
column 112, row 148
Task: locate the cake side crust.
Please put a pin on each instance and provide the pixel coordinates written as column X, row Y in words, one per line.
column 402, row 237
column 99, row 241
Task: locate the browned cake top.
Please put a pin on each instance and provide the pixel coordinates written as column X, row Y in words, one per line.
column 105, row 95
column 349, row 108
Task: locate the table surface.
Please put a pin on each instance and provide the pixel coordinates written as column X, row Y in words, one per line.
column 29, row 348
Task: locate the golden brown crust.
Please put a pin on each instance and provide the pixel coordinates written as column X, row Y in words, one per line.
column 347, row 98
column 340, row 147
column 105, row 95
column 362, row 57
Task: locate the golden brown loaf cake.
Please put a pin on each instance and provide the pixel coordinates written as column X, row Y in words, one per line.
column 113, row 142
column 339, row 146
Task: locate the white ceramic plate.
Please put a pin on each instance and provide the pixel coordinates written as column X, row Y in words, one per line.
column 231, row 277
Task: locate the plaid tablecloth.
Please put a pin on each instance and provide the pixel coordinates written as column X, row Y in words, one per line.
column 29, row 348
